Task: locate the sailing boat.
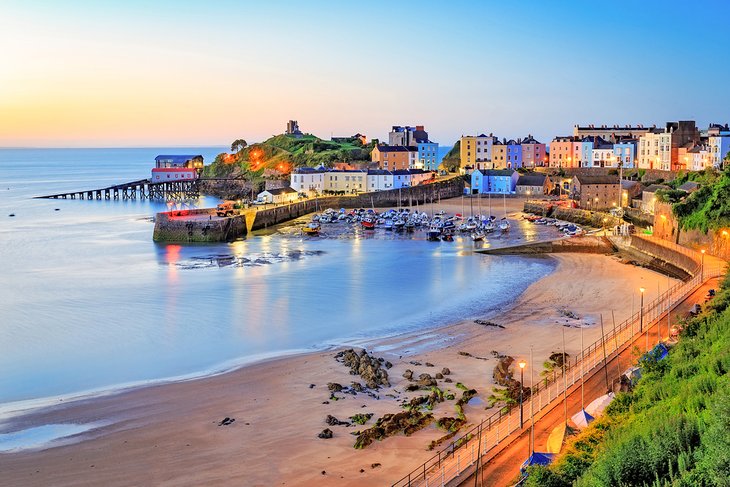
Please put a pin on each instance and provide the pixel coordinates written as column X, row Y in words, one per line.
column 504, row 223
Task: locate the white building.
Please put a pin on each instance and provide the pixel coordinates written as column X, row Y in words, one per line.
column 347, row 181
column 475, row 152
column 308, row 180
column 719, row 147
column 379, row 180
column 278, row 196
column 701, row 158
column 655, row 150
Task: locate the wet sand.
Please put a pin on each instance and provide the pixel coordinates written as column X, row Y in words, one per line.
column 169, row 435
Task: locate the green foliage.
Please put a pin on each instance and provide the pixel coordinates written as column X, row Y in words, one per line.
column 708, row 208
column 452, row 159
column 672, row 430
column 284, row 152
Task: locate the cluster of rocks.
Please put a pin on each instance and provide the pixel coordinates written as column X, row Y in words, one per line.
column 502, row 376
column 372, row 370
column 488, row 323
column 407, row 422
column 425, row 381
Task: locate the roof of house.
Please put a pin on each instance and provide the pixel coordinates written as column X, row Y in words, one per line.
column 689, row 186
column 652, row 188
column 378, row 172
column 393, row 148
column 531, row 180
column 497, row 172
column 179, row 158
column 529, row 140
column 309, row 170
column 629, row 184
column 401, row 172
column 276, row 191
column 597, row 179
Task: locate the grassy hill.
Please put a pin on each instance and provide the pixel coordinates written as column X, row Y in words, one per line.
column 672, row 430
column 284, row 153
column 452, row 160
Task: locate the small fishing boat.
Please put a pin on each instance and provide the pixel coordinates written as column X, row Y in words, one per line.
column 312, row 228
column 504, row 225
column 489, row 227
column 368, row 223
column 388, row 224
column 434, row 232
column 477, row 236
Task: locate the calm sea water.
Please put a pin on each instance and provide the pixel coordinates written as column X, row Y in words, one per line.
column 89, row 302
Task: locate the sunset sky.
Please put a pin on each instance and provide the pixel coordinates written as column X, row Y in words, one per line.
column 135, row 73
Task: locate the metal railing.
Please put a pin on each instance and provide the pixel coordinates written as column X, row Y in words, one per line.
column 452, row 461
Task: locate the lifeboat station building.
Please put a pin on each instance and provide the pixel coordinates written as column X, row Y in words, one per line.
column 169, row 168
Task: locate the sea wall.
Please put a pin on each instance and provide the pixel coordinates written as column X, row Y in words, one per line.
column 674, row 255
column 173, row 226
column 421, row 195
column 597, row 219
column 584, row 245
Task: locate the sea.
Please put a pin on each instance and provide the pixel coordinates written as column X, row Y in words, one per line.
column 90, row 304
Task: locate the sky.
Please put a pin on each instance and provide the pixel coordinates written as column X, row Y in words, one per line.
column 136, row 73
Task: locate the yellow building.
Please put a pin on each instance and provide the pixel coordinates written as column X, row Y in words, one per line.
column 499, row 155
column 475, row 152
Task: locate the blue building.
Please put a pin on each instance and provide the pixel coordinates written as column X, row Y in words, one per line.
column 625, row 151
column 514, row 154
column 495, row 181
column 428, row 155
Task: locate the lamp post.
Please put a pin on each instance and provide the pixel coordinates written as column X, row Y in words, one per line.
column 605, row 220
column 702, row 267
column 641, row 310
column 522, row 364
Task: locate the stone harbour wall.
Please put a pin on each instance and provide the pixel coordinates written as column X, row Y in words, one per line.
column 173, row 226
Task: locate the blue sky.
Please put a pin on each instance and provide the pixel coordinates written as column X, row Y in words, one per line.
column 127, row 73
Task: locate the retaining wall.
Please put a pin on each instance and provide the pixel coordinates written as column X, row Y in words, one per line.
column 575, row 215
column 675, row 255
column 584, row 245
column 423, row 194
column 174, row 227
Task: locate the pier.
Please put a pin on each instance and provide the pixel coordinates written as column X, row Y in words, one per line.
column 141, row 189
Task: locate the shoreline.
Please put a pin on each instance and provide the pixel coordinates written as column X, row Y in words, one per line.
column 278, row 414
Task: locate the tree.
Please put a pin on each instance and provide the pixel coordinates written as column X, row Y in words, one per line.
column 238, row 145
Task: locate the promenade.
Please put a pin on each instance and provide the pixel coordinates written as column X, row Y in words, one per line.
column 490, row 443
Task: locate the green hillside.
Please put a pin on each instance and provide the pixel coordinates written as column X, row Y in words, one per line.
column 452, row 160
column 284, row 152
column 672, row 430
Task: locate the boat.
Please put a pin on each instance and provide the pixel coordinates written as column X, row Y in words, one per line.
column 368, row 223
column 434, row 232
column 312, row 228
column 477, row 236
column 489, row 226
column 399, row 223
column 504, row 225
column 388, row 224
column 447, row 235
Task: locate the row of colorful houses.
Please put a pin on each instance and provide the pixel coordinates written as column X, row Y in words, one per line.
column 488, row 152
column 321, row 180
column 676, row 146
column 509, row 181
column 407, row 148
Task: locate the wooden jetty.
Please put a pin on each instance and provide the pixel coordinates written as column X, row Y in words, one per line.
column 141, row 189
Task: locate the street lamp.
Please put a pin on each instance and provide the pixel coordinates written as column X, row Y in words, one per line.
column 522, row 364
column 641, row 310
column 702, row 267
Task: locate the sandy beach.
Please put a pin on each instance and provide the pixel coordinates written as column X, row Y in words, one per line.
column 169, row 434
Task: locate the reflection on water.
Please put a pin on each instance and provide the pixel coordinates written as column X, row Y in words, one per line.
column 89, row 301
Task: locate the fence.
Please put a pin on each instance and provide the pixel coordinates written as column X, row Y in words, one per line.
column 451, row 462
